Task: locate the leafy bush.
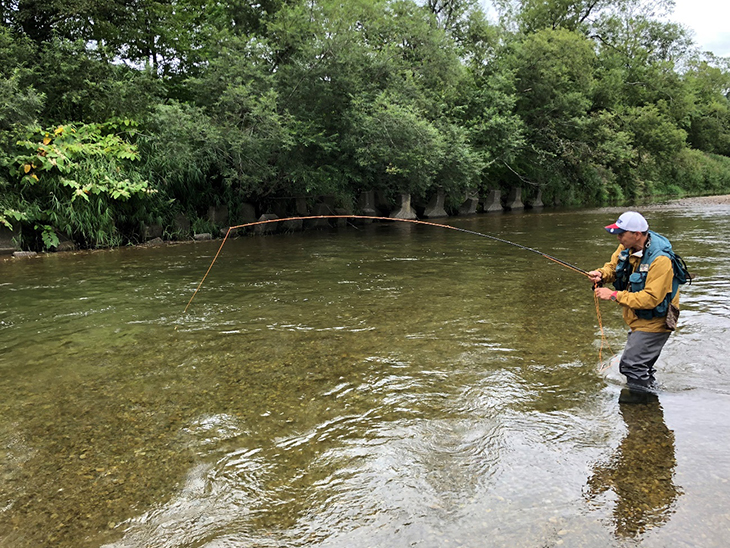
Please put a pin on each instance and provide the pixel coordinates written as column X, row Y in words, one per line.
column 77, row 180
column 699, row 173
column 181, row 149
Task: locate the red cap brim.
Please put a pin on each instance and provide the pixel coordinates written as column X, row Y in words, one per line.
column 614, row 229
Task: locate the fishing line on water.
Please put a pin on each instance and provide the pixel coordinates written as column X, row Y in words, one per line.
column 604, row 341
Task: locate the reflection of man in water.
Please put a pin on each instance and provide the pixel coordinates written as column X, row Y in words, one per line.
column 641, row 471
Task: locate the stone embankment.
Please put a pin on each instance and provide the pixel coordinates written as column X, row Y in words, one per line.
column 491, row 202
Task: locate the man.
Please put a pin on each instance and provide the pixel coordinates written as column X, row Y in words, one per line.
column 641, row 270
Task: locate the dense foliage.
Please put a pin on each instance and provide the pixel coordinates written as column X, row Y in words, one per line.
column 117, row 115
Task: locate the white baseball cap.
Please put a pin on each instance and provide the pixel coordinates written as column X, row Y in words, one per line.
column 631, row 221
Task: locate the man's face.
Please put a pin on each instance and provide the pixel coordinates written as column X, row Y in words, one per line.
column 630, row 240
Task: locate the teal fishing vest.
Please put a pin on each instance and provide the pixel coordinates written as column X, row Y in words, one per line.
column 656, row 246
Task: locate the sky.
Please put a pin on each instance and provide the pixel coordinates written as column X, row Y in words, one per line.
column 710, row 21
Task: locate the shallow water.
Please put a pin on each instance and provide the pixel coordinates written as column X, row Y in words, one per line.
column 390, row 385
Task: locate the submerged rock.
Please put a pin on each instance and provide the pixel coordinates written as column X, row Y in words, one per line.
column 23, row 254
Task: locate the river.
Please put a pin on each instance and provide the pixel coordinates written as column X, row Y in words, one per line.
column 385, row 385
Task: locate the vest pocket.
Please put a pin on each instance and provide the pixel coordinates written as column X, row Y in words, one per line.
column 637, row 281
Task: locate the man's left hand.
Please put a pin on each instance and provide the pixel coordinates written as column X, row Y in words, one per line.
column 604, row 293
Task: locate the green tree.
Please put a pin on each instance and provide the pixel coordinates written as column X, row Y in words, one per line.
column 638, row 55
column 554, row 79
column 180, row 154
column 533, row 15
column 81, row 85
column 343, row 69
column 398, row 148
column 709, row 126
column 451, row 14
column 486, row 107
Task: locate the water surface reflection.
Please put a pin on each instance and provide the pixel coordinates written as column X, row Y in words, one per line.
column 640, row 473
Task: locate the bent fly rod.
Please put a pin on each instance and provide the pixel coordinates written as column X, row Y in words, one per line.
column 414, row 221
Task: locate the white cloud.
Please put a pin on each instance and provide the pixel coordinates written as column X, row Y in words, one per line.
column 709, row 21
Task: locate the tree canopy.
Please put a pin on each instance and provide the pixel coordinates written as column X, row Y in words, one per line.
column 118, row 114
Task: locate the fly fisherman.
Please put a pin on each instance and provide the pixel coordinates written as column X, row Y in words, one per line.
column 642, row 272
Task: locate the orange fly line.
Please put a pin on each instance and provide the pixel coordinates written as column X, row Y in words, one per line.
column 604, row 341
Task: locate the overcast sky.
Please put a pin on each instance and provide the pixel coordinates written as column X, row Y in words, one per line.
column 710, row 20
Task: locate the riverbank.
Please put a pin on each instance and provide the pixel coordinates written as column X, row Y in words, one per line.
column 723, row 199
column 703, row 200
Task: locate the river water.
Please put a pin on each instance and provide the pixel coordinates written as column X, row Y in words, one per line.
column 388, row 385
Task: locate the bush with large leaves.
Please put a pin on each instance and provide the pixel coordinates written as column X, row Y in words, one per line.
column 76, row 180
